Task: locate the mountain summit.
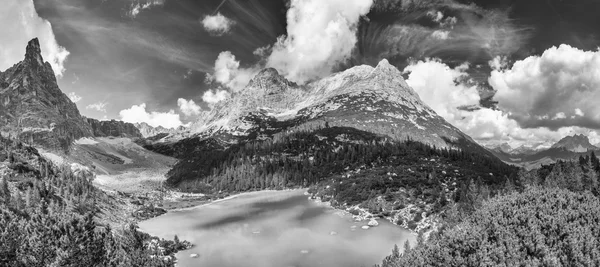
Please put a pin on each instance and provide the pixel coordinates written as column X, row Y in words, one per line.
column 374, row 99
column 576, row 143
column 33, row 107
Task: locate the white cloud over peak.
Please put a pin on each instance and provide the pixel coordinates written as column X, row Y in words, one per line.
column 444, row 90
column 320, row 35
column 74, row 97
column 21, row 23
column 99, row 106
column 217, row 24
column 138, row 114
column 188, row 107
column 227, row 71
column 438, row 86
column 213, row 97
column 559, row 88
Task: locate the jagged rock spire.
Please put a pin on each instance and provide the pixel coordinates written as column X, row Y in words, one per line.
column 33, row 52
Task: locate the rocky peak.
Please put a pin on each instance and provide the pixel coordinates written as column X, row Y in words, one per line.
column 269, row 81
column 33, row 108
column 576, row 143
column 33, row 52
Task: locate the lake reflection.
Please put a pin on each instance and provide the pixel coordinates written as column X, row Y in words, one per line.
column 282, row 228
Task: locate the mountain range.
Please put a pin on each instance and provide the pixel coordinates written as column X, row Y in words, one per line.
column 530, row 157
column 360, row 124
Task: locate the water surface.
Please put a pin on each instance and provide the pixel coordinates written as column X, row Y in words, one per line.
column 271, row 228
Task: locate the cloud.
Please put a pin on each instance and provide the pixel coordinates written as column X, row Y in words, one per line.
column 320, row 35
column 559, row 88
column 138, row 114
column 436, row 16
column 442, row 35
column 213, row 97
column 498, row 63
column 138, row 6
column 188, row 107
column 447, row 89
column 439, row 87
column 74, row 97
column 21, row 23
column 227, row 72
column 100, row 106
column 474, row 32
column 217, row 24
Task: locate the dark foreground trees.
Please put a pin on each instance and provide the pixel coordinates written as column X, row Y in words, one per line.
column 538, row 227
column 48, row 217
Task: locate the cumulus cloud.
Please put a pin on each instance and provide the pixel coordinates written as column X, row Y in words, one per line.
column 188, row 107
column 439, row 87
column 442, row 35
column 320, row 35
column 74, row 97
column 213, row 97
column 445, row 90
column 99, row 106
column 227, row 71
column 217, row 24
column 138, row 114
column 21, row 23
column 559, row 88
column 498, row 63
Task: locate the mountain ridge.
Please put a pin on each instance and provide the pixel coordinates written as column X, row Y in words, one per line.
column 358, row 97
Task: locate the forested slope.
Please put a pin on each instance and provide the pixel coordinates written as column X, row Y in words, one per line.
column 49, row 217
column 549, row 217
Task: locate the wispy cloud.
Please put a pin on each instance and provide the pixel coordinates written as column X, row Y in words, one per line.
column 138, row 6
column 99, row 106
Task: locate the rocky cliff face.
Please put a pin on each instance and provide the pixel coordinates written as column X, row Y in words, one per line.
column 376, row 100
column 114, row 128
column 33, row 107
column 147, row 130
column 577, row 143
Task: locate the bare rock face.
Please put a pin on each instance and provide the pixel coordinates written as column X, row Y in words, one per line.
column 576, row 143
column 33, row 108
column 114, row 128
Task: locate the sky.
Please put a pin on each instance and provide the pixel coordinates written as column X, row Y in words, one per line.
column 522, row 72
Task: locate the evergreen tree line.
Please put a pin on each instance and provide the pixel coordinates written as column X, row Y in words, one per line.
column 305, row 158
column 544, row 217
column 48, row 218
